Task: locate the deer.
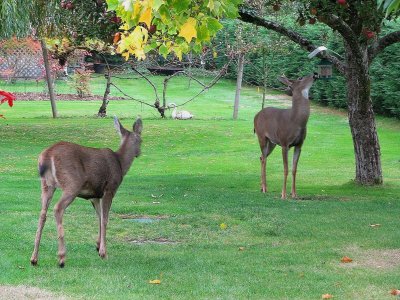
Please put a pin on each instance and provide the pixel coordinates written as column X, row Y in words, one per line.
column 286, row 128
column 90, row 173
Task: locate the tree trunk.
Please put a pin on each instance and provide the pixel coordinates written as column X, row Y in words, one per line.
column 103, row 108
column 238, row 85
column 362, row 122
column 48, row 78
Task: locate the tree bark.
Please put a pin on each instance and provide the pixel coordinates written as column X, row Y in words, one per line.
column 362, row 121
column 48, row 78
column 103, row 108
column 238, row 85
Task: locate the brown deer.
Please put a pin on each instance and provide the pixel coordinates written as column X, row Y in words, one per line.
column 285, row 127
column 88, row 173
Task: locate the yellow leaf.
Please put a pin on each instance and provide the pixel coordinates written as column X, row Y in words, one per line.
column 136, row 9
column 146, row 17
column 223, row 226
column 188, row 30
column 125, row 55
column 155, row 281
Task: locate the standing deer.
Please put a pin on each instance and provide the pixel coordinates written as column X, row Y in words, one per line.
column 284, row 127
column 88, row 173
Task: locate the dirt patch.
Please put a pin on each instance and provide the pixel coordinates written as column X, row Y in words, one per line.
column 375, row 259
column 30, row 96
column 159, row 241
column 26, row 292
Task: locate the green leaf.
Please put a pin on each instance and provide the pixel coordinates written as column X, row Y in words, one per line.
column 157, row 4
column 164, row 14
column 181, row 5
column 163, row 50
column 213, row 25
column 112, row 4
column 203, row 34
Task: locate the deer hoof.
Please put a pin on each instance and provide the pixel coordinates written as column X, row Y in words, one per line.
column 34, row 262
column 103, row 254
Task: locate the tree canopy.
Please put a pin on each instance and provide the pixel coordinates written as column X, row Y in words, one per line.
column 170, row 26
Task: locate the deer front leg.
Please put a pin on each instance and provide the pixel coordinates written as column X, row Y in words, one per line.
column 263, row 161
column 97, row 207
column 296, row 156
column 59, row 210
column 47, row 195
column 285, row 151
column 105, row 204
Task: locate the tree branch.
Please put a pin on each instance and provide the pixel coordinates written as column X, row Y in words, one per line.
column 248, row 17
column 382, row 43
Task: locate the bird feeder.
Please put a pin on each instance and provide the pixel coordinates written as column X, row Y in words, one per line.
column 324, row 69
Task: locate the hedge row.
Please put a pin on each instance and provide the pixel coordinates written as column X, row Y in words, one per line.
column 279, row 55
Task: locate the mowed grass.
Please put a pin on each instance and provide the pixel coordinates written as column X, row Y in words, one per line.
column 192, row 177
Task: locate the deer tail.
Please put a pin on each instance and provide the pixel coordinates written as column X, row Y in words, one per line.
column 42, row 168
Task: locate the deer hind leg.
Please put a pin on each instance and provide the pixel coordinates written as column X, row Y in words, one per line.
column 59, row 210
column 97, row 207
column 285, row 151
column 105, row 204
column 266, row 149
column 296, row 156
column 47, row 195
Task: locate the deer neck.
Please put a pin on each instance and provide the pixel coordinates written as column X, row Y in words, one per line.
column 125, row 155
column 300, row 110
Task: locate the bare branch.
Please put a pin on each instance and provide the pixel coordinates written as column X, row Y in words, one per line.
column 130, row 97
column 382, row 43
column 149, row 81
column 247, row 17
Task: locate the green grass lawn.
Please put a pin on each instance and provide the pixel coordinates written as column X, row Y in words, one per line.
column 192, row 177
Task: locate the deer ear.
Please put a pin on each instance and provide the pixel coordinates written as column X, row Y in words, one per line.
column 285, row 81
column 138, row 126
column 120, row 129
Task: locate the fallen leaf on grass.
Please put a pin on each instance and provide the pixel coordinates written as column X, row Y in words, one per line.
column 241, row 248
column 155, row 281
column 374, row 225
column 223, row 226
column 395, row 292
column 154, row 196
column 346, row 259
column 327, row 296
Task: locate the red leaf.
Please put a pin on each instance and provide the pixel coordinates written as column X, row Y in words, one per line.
column 7, row 97
column 395, row 292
